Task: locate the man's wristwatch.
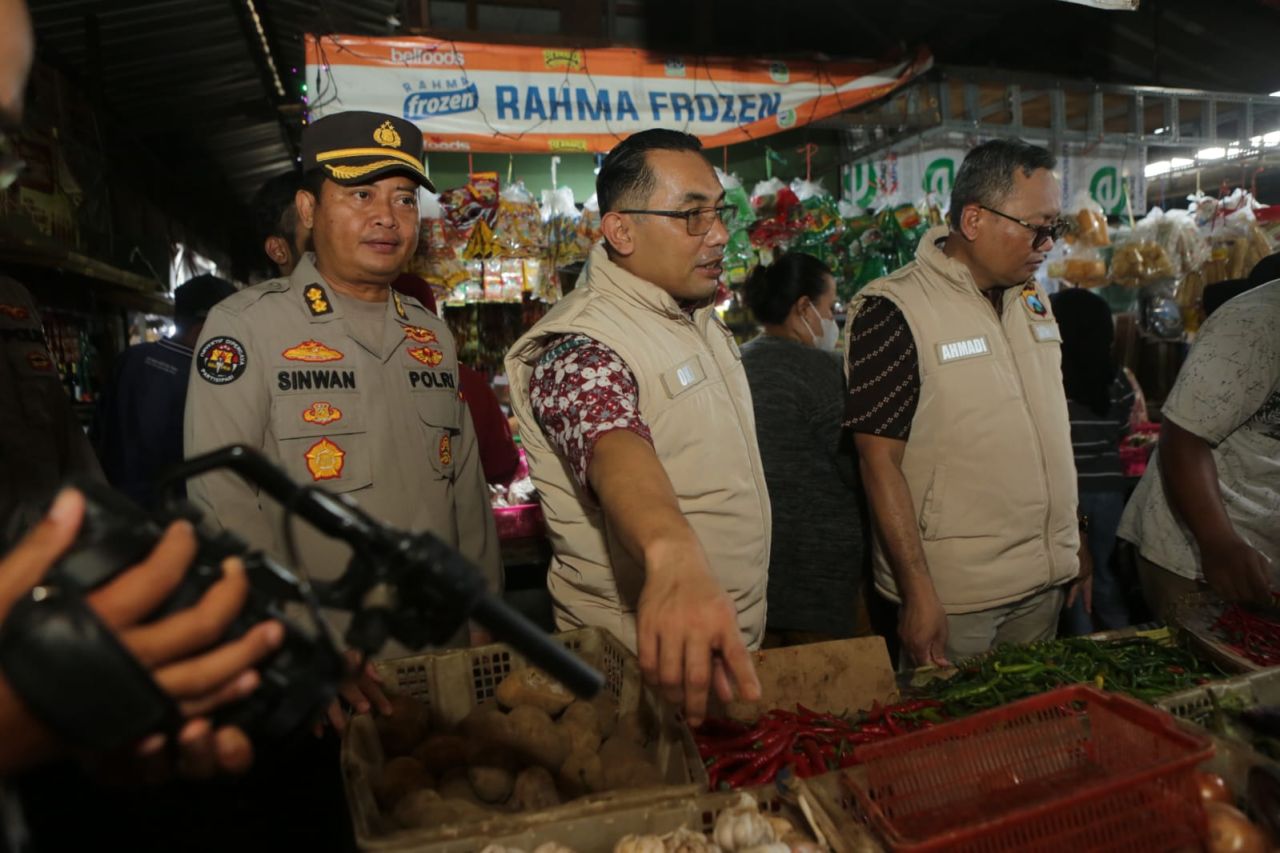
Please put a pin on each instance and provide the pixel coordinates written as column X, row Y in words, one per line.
column 1084, row 523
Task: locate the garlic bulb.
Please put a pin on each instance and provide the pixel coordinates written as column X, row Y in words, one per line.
column 687, row 841
column 741, row 826
column 640, row 844
column 553, row 847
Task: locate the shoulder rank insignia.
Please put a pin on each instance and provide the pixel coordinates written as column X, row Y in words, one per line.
column 1031, row 299
column 421, row 335
column 430, row 356
column 317, row 300
column 321, row 413
column 399, row 305
column 15, row 312
column 313, row 351
column 446, row 450
column 221, row 360
column 324, row 460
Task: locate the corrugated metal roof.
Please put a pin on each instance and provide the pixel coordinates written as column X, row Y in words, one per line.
column 191, row 72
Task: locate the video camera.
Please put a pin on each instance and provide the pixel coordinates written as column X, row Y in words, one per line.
column 411, row 587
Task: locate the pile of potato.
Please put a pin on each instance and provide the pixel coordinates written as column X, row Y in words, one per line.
column 535, row 748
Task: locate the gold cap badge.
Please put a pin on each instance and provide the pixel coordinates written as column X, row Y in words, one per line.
column 386, row 135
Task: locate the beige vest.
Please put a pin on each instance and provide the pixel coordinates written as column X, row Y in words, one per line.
column 694, row 397
column 989, row 461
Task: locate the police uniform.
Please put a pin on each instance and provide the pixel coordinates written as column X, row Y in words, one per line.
column 279, row 367
column 41, row 443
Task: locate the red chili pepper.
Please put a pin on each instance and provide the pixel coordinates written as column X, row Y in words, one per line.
column 814, row 755
column 770, row 758
column 894, row 728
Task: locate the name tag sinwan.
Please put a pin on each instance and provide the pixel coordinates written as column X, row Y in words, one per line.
column 968, row 348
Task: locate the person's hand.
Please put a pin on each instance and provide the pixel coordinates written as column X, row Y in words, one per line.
column 922, row 626
column 1236, row 570
column 478, row 635
column 361, row 689
column 687, row 634
column 181, row 651
column 1083, row 584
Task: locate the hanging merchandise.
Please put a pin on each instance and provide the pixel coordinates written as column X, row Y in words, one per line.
column 518, row 229
column 477, row 200
column 589, row 225
column 1080, row 262
column 739, row 257
column 561, row 217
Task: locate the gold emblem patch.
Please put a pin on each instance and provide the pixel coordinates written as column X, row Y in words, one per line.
column 324, row 460
column 446, row 450
column 39, row 360
column 386, row 135
column 14, row 312
column 430, row 356
column 317, row 300
column 421, row 335
column 321, row 413
column 311, row 351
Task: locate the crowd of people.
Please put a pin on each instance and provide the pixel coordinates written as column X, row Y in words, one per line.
column 954, row 470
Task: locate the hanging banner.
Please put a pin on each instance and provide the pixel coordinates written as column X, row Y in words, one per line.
column 503, row 98
column 908, row 176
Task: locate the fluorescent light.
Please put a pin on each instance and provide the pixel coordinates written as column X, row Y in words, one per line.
column 1272, row 138
column 1159, row 130
column 1155, row 170
column 1181, row 162
column 1211, row 153
column 1275, row 94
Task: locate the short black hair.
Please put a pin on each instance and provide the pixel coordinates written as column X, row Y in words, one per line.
column 274, row 214
column 625, row 179
column 986, row 175
column 312, row 181
column 1088, row 332
column 772, row 290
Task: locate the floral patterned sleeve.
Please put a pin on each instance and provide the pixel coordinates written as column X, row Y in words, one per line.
column 580, row 390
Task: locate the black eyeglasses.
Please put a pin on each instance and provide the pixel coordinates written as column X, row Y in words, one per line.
column 699, row 220
column 1053, row 231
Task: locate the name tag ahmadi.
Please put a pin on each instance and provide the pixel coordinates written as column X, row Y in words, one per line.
column 967, row 348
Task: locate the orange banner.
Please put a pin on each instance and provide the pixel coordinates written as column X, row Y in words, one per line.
column 503, row 98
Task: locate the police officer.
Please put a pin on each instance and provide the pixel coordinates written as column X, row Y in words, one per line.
column 347, row 385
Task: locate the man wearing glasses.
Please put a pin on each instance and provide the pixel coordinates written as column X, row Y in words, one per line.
column 956, row 404
column 636, row 417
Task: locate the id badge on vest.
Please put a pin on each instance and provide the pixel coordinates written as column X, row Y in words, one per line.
column 684, row 376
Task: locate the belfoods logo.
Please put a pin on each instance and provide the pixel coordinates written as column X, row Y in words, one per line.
column 562, row 58
column 420, row 105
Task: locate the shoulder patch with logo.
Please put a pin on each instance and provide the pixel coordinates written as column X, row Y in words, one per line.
column 317, row 300
column 221, row 360
column 312, row 351
column 430, row 356
column 967, row 348
column 321, row 413
column 15, row 312
column 420, row 335
column 1031, row 299
column 325, row 460
column 399, row 306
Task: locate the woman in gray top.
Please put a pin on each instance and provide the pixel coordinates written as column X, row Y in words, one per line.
column 797, row 389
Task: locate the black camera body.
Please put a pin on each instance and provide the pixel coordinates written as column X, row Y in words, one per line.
column 75, row 674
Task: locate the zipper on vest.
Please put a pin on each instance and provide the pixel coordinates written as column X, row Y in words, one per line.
column 1040, row 452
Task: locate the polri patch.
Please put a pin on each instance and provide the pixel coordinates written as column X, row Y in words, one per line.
column 317, row 300
column 221, row 360
column 321, row 413
column 1031, row 299
column 325, row 460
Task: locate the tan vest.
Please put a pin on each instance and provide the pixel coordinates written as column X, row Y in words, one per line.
column 989, row 461
column 694, row 397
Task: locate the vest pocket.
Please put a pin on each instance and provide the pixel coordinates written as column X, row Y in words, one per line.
column 322, row 442
column 442, row 427
column 931, row 507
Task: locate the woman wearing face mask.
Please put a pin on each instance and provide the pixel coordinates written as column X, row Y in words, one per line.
column 797, row 389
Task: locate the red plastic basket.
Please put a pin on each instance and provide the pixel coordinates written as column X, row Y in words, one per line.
column 1073, row 769
column 522, row 521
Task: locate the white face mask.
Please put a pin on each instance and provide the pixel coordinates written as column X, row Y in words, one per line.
column 830, row 331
